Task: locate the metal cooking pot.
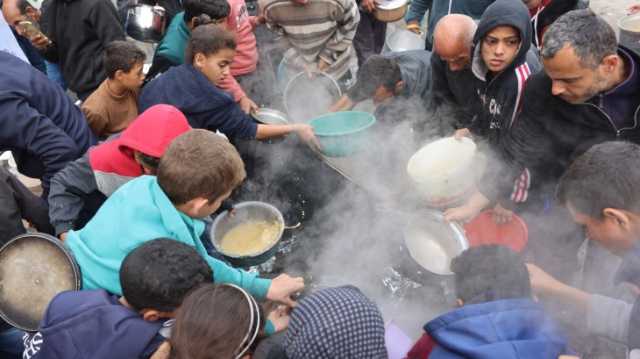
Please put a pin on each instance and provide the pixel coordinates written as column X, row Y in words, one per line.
column 630, row 31
column 433, row 243
column 145, row 22
column 244, row 212
column 391, row 10
column 403, row 40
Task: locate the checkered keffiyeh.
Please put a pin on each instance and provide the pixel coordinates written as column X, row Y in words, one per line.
column 336, row 323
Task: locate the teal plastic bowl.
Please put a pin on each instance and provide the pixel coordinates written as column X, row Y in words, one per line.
column 342, row 133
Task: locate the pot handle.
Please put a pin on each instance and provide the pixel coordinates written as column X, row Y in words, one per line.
column 295, row 226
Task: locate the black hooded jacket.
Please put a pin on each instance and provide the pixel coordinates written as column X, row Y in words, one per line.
column 548, row 14
column 549, row 134
column 80, row 30
column 500, row 93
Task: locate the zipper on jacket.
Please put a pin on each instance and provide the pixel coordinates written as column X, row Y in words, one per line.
column 618, row 131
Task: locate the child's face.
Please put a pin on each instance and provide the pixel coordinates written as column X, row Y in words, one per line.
column 500, row 47
column 216, row 67
column 133, row 79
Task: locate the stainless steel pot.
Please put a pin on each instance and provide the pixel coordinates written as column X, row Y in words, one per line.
column 433, row 243
column 145, row 22
column 630, row 31
column 307, row 98
column 403, row 40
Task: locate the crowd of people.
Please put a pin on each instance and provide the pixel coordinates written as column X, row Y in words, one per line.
column 134, row 162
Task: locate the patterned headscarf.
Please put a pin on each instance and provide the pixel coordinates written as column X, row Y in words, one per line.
column 336, row 323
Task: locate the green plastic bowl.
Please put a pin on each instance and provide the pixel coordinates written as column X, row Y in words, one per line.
column 342, row 133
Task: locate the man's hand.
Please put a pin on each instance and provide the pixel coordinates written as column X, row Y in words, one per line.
column 502, row 215
column 283, row 287
column 543, row 283
column 368, row 5
column 247, row 105
column 414, row 26
column 40, row 42
column 476, row 203
column 279, row 317
column 322, row 65
column 63, row 236
column 343, row 104
column 463, row 132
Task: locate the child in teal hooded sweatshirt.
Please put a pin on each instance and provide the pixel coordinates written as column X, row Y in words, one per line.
column 198, row 171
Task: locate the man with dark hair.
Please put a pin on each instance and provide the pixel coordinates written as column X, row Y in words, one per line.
column 383, row 77
column 155, row 278
column 75, row 35
column 600, row 191
column 40, row 125
column 171, row 49
column 496, row 318
column 112, row 107
column 589, row 93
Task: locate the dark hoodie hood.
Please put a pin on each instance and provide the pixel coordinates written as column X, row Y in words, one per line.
column 503, row 13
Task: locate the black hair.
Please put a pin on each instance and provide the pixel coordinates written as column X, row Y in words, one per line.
column 377, row 71
column 208, row 40
column 160, row 273
column 606, row 176
column 488, row 273
column 214, row 9
column 121, row 55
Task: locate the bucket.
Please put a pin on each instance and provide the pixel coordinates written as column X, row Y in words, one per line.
column 483, row 230
column 630, row 31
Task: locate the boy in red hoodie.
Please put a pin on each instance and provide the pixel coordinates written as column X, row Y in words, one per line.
column 78, row 190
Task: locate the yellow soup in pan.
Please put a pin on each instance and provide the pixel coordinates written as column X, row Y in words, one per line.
column 250, row 238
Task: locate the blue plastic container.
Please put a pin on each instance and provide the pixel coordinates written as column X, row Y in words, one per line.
column 342, row 133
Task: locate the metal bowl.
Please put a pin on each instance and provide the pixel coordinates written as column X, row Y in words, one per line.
column 403, row 40
column 145, row 22
column 34, row 268
column 244, row 212
column 270, row 116
column 433, row 243
column 306, row 98
column 391, row 10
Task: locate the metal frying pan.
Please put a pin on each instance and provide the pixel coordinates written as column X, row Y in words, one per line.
column 34, row 267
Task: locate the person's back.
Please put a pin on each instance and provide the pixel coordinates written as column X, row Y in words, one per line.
column 155, row 277
column 497, row 317
column 79, row 31
column 42, row 127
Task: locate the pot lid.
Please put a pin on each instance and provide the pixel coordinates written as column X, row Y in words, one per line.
column 34, row 268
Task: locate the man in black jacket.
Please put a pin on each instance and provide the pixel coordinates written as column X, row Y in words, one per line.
column 40, row 125
column 77, row 32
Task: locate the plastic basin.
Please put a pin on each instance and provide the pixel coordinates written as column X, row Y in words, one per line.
column 483, row 230
column 342, row 133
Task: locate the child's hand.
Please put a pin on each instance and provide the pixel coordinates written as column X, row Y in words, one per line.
column 502, row 215
column 163, row 352
column 633, row 9
column 247, row 105
column 307, row 135
column 279, row 317
column 463, row 132
column 283, row 287
column 368, row 5
column 541, row 282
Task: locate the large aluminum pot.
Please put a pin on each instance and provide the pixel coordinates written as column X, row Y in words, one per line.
column 391, row 10
column 630, row 31
column 145, row 22
column 403, row 40
column 245, row 212
column 445, row 171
